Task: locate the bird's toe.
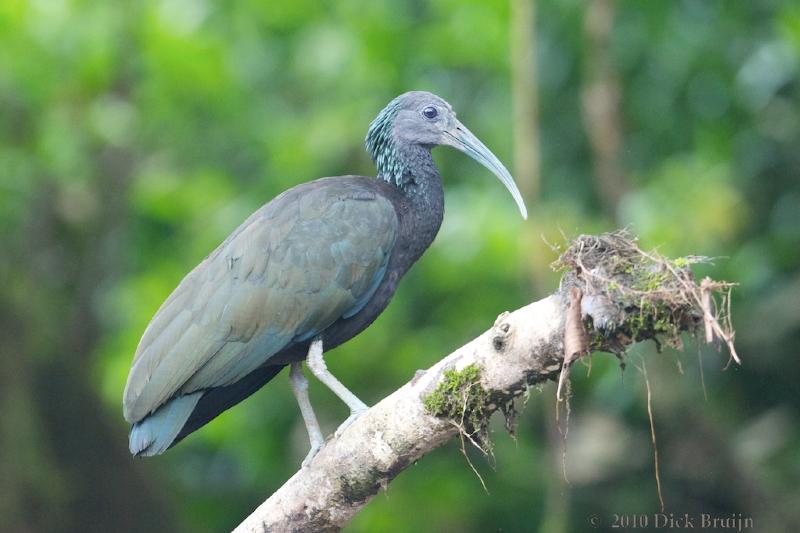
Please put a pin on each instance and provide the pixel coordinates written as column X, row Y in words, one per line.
column 350, row 419
column 315, row 448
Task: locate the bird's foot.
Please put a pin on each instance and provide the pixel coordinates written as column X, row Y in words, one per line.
column 315, row 448
column 354, row 414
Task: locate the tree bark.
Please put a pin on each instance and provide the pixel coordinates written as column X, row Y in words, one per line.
column 522, row 348
column 611, row 294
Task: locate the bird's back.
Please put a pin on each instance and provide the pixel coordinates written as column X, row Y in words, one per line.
column 312, row 256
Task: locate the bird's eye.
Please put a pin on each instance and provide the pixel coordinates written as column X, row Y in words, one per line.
column 430, row 112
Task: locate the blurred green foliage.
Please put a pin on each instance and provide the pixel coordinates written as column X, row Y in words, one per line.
column 135, row 135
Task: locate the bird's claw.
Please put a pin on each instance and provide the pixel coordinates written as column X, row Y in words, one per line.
column 349, row 420
column 315, row 448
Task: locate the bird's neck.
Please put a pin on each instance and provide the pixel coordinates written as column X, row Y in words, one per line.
column 410, row 168
column 421, row 185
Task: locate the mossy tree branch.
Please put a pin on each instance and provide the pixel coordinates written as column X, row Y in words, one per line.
column 460, row 392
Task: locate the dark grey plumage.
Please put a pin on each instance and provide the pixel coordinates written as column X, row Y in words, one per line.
column 318, row 263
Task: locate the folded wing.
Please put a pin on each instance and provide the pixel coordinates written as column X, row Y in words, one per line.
column 313, row 255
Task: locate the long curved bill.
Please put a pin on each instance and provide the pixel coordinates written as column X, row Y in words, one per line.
column 460, row 138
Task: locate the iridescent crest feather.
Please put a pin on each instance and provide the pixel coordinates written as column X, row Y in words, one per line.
column 380, row 144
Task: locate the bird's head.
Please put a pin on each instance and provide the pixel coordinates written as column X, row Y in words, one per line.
column 420, row 118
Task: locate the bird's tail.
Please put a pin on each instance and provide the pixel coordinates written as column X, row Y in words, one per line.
column 155, row 433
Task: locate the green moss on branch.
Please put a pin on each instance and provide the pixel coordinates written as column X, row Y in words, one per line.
column 460, row 398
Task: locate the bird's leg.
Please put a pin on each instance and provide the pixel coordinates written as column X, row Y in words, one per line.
column 317, row 365
column 299, row 385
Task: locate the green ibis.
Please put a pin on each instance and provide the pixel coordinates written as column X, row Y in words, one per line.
column 303, row 274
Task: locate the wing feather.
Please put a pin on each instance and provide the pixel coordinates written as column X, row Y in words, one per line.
column 311, row 256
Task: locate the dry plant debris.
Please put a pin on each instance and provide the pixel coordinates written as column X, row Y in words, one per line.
column 629, row 295
column 615, row 294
